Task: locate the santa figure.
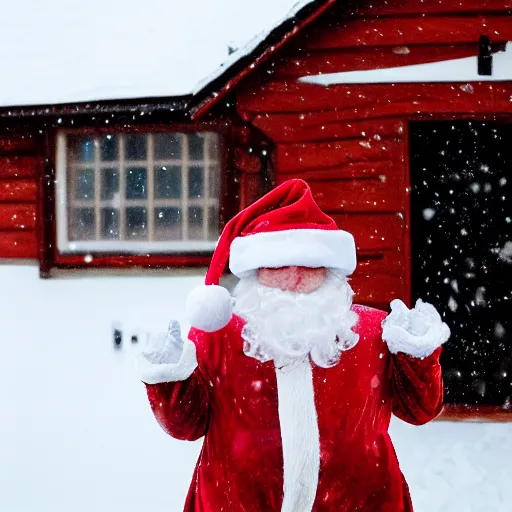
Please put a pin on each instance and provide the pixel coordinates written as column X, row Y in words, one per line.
column 290, row 384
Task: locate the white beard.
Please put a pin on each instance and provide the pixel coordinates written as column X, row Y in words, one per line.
column 287, row 327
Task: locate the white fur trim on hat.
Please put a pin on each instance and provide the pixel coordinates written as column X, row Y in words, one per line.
column 294, row 247
column 152, row 373
column 209, row 308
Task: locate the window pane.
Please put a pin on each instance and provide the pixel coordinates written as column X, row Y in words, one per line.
column 167, row 146
column 81, row 148
column 110, row 183
column 195, row 223
column 195, row 182
column 84, row 184
column 136, row 223
column 109, row 223
column 81, row 224
column 109, row 148
column 167, row 224
column 213, row 223
column 195, row 147
column 214, row 181
column 135, row 146
column 136, row 186
column 107, row 205
column 167, row 182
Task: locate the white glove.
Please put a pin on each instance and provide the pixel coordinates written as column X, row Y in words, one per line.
column 417, row 332
column 164, row 348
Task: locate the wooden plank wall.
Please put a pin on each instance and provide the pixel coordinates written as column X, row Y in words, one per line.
column 20, row 168
column 350, row 142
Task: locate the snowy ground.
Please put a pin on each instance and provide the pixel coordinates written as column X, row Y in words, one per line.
column 76, row 432
column 457, row 467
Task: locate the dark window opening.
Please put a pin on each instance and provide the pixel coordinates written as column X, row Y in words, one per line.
column 461, row 235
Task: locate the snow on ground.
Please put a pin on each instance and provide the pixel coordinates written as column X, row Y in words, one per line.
column 58, row 51
column 77, row 434
column 456, row 467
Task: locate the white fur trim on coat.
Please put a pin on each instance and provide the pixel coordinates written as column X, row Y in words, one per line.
column 294, row 247
column 417, row 332
column 152, row 373
column 300, row 437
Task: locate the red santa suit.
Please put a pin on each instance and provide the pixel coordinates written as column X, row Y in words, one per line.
column 299, row 439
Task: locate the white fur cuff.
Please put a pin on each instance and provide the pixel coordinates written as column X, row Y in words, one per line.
column 417, row 332
column 152, row 373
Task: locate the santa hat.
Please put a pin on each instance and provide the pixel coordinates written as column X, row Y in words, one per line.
column 283, row 228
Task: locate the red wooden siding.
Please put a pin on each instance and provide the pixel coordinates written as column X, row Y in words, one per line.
column 420, row 7
column 17, row 216
column 357, row 102
column 19, row 172
column 16, row 244
column 18, row 166
column 18, row 191
column 16, row 143
column 350, row 141
column 322, row 126
column 414, row 30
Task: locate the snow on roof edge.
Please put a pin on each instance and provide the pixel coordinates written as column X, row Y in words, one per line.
column 248, row 48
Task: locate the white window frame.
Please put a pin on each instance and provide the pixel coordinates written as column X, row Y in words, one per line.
column 65, row 246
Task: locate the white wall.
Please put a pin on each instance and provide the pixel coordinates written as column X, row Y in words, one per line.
column 77, row 434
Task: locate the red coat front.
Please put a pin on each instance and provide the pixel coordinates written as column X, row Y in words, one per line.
column 234, row 402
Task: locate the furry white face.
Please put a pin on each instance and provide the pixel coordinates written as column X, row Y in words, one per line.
column 287, row 326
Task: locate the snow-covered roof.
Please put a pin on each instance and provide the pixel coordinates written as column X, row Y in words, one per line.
column 56, row 51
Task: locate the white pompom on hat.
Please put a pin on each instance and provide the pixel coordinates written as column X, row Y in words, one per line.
column 284, row 228
column 209, row 308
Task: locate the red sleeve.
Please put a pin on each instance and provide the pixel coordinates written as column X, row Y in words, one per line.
column 181, row 408
column 417, row 386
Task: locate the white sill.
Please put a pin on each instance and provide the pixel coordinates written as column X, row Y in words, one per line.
column 123, row 247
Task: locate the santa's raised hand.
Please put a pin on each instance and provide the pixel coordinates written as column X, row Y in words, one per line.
column 417, row 332
column 166, row 357
column 164, row 348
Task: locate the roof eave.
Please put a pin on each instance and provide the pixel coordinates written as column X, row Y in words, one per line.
column 179, row 105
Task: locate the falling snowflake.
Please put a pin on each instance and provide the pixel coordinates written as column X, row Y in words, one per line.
column 499, row 331
column 467, row 88
column 479, row 296
column 402, row 50
column 428, row 213
column 505, row 253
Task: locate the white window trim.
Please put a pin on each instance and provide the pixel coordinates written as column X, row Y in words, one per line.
column 61, row 185
column 65, row 246
column 134, row 247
